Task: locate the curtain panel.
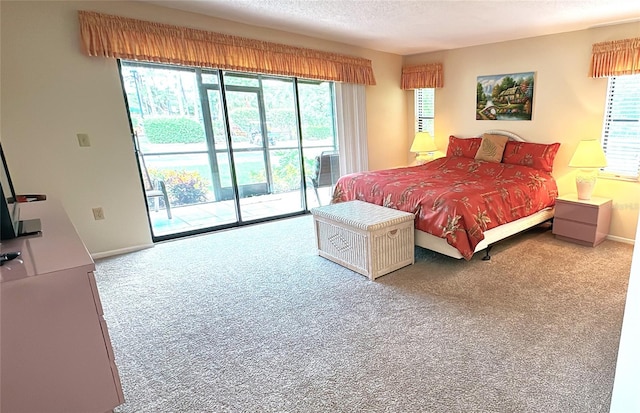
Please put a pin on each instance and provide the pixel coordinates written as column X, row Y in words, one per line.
column 125, row 38
column 422, row 76
column 351, row 123
column 619, row 57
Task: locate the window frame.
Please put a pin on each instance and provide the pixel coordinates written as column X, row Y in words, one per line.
column 424, row 116
column 614, row 144
column 220, row 155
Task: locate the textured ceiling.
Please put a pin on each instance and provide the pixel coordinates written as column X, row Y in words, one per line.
column 408, row 27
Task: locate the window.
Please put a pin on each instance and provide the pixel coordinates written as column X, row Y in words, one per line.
column 424, row 103
column 621, row 129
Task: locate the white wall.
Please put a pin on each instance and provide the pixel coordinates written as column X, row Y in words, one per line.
column 568, row 105
column 51, row 91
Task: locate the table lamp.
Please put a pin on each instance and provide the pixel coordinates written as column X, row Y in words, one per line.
column 424, row 147
column 588, row 157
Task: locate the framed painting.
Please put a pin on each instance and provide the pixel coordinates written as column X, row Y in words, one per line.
column 505, row 97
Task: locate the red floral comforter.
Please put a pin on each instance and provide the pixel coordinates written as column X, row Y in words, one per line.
column 454, row 198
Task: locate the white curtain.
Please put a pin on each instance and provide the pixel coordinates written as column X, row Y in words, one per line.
column 351, row 120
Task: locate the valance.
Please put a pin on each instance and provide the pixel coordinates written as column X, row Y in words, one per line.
column 422, row 76
column 125, row 38
column 619, row 57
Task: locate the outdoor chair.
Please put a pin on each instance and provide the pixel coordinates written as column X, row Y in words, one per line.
column 327, row 171
column 154, row 189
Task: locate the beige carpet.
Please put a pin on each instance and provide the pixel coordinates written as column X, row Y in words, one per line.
column 252, row 320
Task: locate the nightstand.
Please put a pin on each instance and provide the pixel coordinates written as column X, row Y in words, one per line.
column 582, row 221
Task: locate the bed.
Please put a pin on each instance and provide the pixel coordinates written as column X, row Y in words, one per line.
column 461, row 204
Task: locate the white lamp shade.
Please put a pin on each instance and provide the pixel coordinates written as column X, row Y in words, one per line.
column 423, row 142
column 588, row 154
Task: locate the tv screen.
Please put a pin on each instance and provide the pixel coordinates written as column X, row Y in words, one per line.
column 9, row 218
column 9, row 207
column 10, row 224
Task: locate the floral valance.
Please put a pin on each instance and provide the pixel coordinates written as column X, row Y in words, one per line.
column 422, row 76
column 619, row 57
column 125, row 38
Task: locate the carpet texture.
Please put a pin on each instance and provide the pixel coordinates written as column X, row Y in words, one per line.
column 253, row 320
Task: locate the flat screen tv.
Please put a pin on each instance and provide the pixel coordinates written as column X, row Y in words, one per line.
column 10, row 224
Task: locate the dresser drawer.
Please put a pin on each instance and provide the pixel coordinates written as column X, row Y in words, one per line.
column 578, row 232
column 573, row 229
column 577, row 212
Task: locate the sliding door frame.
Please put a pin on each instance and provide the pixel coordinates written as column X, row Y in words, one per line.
column 204, row 88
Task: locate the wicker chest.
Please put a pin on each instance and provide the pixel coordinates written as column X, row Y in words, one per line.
column 369, row 239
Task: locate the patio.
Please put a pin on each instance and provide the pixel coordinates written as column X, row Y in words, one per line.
column 213, row 214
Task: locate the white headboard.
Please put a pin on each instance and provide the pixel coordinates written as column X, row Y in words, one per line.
column 511, row 135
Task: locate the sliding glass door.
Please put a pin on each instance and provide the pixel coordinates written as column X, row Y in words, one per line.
column 228, row 148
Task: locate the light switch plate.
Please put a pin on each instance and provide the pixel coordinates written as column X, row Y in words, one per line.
column 98, row 213
column 83, row 139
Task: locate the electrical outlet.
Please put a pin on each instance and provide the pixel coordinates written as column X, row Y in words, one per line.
column 83, row 139
column 98, row 213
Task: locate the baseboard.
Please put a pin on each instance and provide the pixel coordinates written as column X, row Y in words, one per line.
column 621, row 239
column 111, row 253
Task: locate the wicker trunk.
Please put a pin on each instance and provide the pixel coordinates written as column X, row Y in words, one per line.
column 369, row 239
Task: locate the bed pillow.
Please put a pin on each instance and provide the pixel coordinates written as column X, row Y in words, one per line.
column 466, row 148
column 491, row 148
column 535, row 155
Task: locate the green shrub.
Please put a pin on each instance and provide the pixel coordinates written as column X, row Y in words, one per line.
column 244, row 121
column 173, row 130
column 183, row 187
column 286, row 174
column 316, row 132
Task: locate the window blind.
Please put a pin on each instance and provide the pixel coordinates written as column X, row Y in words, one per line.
column 621, row 130
column 424, row 103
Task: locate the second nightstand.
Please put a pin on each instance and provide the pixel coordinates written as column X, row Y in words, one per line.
column 582, row 221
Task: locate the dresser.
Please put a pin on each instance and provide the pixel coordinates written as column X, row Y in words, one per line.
column 581, row 221
column 55, row 351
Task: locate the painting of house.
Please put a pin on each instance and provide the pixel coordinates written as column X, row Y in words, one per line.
column 505, row 97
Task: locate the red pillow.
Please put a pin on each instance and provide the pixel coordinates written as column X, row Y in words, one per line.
column 466, row 148
column 535, row 155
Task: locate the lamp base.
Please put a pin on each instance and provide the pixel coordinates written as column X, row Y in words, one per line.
column 586, row 182
column 424, row 157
